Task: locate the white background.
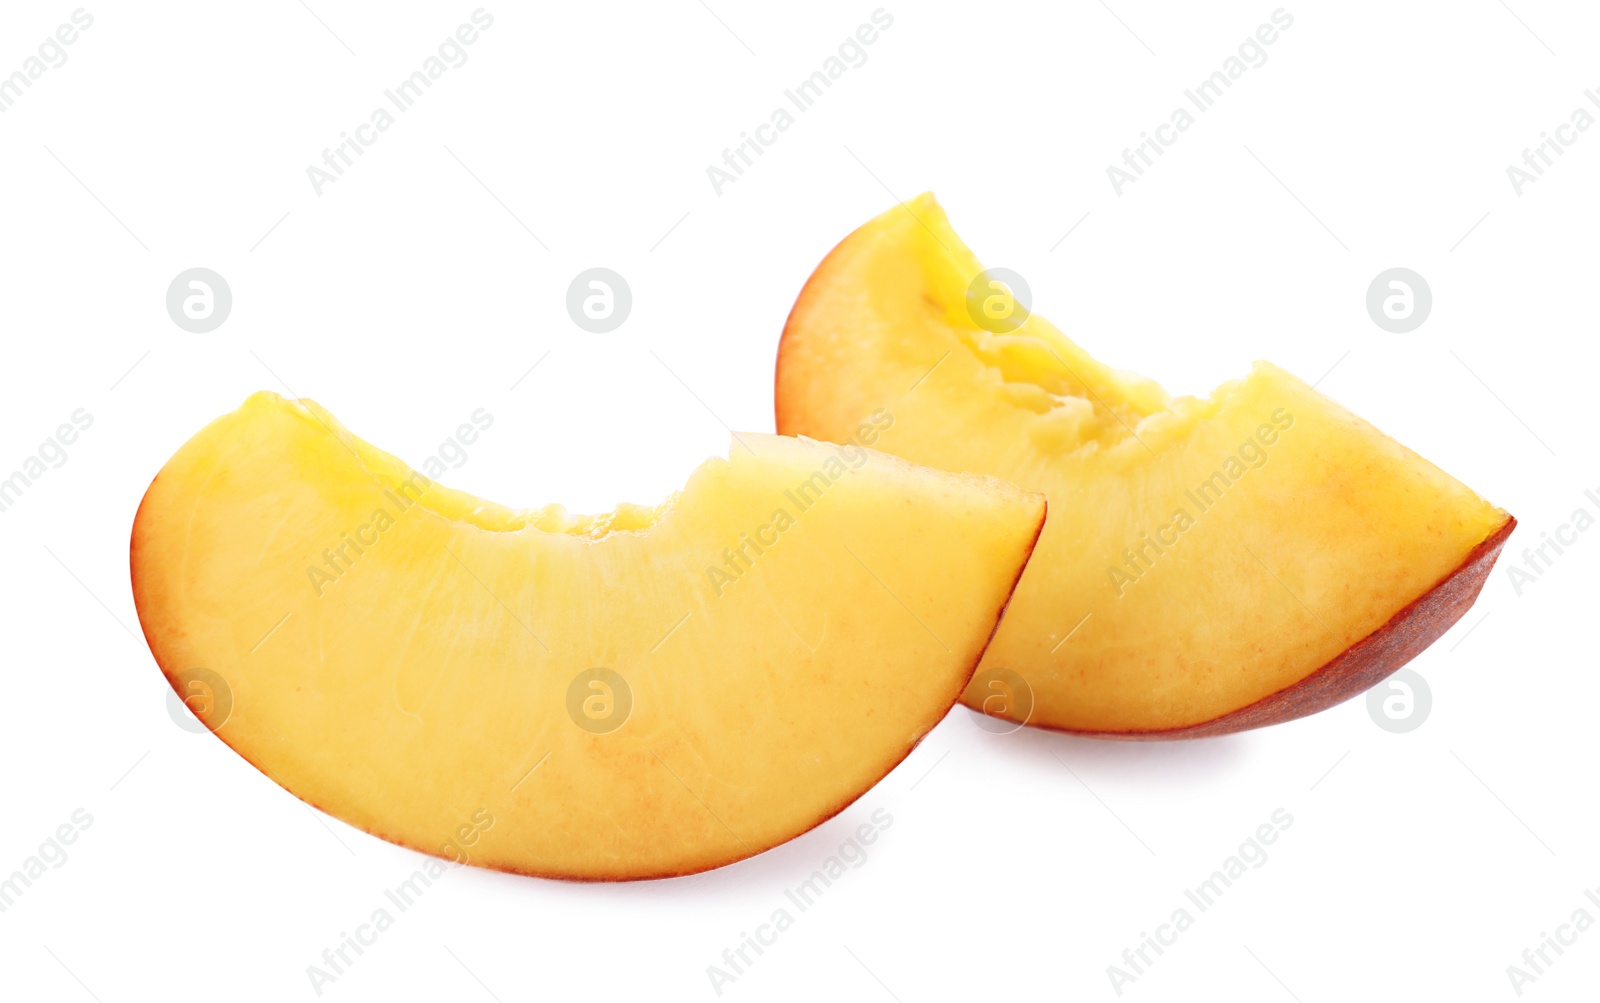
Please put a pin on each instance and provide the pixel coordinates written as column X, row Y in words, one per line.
column 413, row 291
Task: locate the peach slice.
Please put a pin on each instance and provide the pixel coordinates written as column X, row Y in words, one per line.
column 642, row 694
column 1209, row 565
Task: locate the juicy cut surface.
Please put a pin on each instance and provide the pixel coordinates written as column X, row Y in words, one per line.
column 648, row 693
column 1201, row 554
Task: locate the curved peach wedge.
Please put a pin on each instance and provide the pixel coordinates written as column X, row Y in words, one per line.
column 643, row 694
column 1209, row 564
